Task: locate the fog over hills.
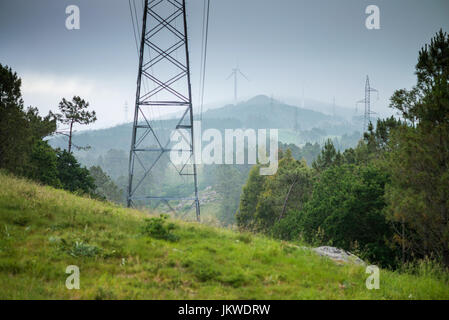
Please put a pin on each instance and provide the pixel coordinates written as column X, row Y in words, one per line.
column 264, row 112
column 296, row 125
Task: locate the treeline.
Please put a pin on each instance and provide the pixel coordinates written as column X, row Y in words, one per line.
column 387, row 199
column 24, row 151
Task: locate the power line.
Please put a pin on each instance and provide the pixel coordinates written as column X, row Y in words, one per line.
column 135, row 12
column 136, row 27
column 205, row 34
column 134, row 30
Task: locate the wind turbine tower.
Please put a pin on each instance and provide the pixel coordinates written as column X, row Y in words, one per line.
column 235, row 73
column 333, row 107
column 126, row 112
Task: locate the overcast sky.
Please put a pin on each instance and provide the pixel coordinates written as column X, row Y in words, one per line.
column 281, row 45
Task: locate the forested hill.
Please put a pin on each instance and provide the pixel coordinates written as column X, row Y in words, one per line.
column 264, row 112
column 297, row 125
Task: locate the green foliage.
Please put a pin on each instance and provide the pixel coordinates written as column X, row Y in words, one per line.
column 328, row 157
column 73, row 112
column 159, row 228
column 22, row 149
column 205, row 271
column 419, row 161
column 32, row 266
column 105, row 187
column 341, row 202
column 387, row 198
column 288, row 228
column 426, row 268
column 265, row 201
column 245, row 237
column 378, row 139
column 308, row 152
column 73, row 177
column 20, row 129
column 251, row 191
column 43, row 165
column 81, row 249
column 114, row 162
column 286, row 190
column 391, row 189
column 229, row 180
column 347, row 206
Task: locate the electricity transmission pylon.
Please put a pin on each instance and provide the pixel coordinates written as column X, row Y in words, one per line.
column 163, row 85
column 367, row 102
column 126, row 112
column 235, row 73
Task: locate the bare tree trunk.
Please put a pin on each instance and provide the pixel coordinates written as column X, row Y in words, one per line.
column 70, row 137
column 445, row 219
column 286, row 200
column 403, row 241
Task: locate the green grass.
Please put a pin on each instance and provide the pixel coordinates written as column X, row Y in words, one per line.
column 43, row 230
column 209, row 214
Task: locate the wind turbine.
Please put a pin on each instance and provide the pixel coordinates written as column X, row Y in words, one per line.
column 236, row 72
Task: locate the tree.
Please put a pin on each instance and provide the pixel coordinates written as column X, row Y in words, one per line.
column 73, row 112
column 20, row 129
column 22, row 149
column 328, row 157
column 251, row 191
column 346, row 210
column 377, row 139
column 104, row 186
column 228, row 186
column 309, row 151
column 72, row 176
column 419, row 162
column 266, row 201
column 43, row 166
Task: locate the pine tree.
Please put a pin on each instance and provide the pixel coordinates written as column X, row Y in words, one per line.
column 20, row 128
column 73, row 112
column 328, row 157
column 418, row 196
column 248, row 201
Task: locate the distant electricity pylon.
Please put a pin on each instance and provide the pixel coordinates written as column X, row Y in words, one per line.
column 126, row 112
column 333, row 107
column 235, row 72
column 367, row 102
column 163, row 85
column 295, row 121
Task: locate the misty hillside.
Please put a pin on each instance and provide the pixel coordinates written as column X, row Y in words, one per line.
column 264, row 112
column 297, row 125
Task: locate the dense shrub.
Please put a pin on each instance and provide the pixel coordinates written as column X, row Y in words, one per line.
column 347, row 207
column 159, row 228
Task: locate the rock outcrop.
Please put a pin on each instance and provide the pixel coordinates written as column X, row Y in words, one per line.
column 338, row 255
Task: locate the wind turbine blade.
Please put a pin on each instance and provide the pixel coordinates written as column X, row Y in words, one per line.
column 232, row 73
column 243, row 75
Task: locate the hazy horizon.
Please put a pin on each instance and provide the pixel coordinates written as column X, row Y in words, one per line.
column 284, row 47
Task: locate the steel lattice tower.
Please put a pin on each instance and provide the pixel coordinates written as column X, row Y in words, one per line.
column 367, row 102
column 163, row 86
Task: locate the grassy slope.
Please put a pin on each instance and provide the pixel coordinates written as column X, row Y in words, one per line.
column 206, row 263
